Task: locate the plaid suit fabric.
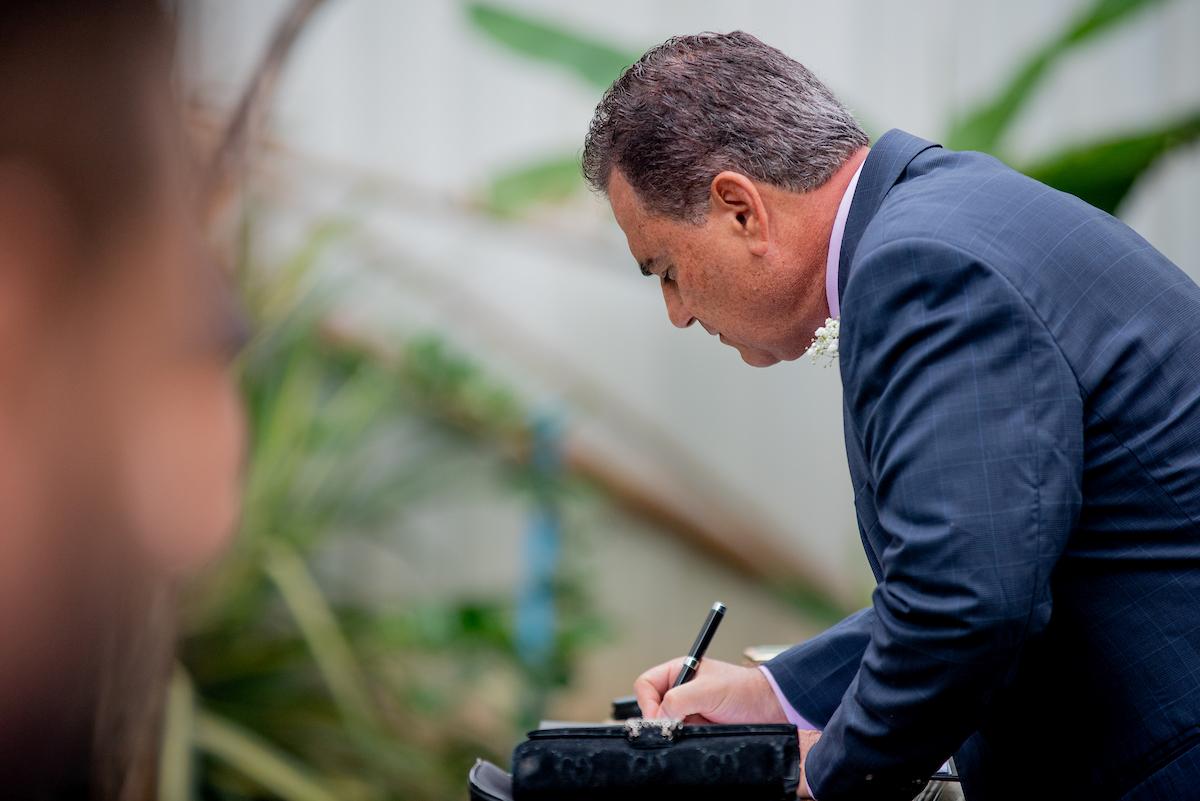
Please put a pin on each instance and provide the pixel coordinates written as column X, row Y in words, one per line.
column 1021, row 379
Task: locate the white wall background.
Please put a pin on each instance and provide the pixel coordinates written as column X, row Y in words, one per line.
column 406, row 99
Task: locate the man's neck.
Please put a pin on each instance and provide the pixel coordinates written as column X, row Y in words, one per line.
column 809, row 222
column 828, row 198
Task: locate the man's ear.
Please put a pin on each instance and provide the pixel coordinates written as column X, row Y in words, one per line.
column 35, row 237
column 737, row 203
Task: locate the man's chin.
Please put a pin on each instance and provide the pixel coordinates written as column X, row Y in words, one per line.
column 751, row 356
column 758, row 358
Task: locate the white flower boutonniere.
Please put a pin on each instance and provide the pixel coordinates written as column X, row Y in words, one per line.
column 825, row 342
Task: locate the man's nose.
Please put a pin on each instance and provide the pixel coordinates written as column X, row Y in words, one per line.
column 676, row 312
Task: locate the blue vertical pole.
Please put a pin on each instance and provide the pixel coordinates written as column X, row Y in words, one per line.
column 536, row 618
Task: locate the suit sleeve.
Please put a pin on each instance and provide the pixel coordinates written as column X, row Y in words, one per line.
column 814, row 675
column 971, row 422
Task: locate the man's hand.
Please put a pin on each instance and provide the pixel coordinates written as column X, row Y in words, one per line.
column 808, row 739
column 719, row 693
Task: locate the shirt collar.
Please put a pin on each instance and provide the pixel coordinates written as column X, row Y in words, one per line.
column 835, row 246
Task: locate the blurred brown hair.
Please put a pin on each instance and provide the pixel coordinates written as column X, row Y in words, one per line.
column 75, row 80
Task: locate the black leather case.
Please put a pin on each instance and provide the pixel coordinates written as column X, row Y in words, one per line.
column 660, row 760
column 487, row 782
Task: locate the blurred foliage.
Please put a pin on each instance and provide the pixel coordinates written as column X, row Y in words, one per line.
column 595, row 61
column 544, row 180
column 984, row 127
column 294, row 682
column 555, row 177
column 1105, row 172
column 1102, row 172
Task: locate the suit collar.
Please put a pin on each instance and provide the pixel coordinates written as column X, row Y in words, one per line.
column 880, row 171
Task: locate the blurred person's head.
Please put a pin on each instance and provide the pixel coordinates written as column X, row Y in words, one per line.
column 120, row 431
column 717, row 153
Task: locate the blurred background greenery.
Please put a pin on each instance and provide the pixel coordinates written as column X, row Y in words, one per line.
column 307, row 669
column 377, row 699
column 1101, row 170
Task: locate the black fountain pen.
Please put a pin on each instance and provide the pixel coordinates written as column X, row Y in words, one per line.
column 691, row 662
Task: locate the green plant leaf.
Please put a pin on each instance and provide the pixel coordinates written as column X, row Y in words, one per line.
column 321, row 631
column 1102, row 173
column 593, row 60
column 984, row 127
column 175, row 760
column 273, row 294
column 258, row 760
column 547, row 180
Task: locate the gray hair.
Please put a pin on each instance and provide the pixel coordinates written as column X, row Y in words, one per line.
column 695, row 106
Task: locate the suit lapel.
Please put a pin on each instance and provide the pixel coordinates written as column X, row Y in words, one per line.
column 882, row 169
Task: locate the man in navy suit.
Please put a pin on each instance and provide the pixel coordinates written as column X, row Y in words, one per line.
column 1021, row 375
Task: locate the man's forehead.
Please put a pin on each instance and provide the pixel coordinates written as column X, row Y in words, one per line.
column 632, row 217
column 626, row 206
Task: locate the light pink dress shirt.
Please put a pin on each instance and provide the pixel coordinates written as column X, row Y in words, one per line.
column 835, row 246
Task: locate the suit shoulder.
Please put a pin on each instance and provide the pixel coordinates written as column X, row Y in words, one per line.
column 1043, row 241
column 970, row 201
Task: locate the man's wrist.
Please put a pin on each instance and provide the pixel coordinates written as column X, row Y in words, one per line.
column 789, row 711
column 806, row 740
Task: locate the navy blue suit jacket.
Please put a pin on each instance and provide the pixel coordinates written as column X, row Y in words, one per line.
column 1022, row 416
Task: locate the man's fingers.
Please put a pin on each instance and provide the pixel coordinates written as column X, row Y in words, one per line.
column 647, row 705
column 651, row 686
column 694, row 698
